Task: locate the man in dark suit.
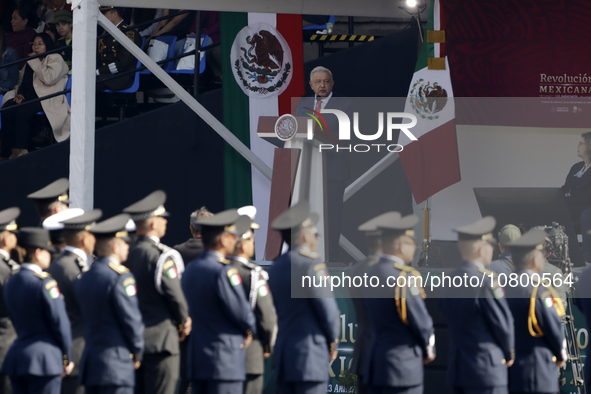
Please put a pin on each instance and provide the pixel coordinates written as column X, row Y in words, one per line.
column 363, row 338
column 8, row 267
column 254, row 281
column 540, row 345
column 479, row 319
column 224, row 321
column 51, row 199
column 308, row 324
column 107, row 297
column 41, row 353
column 403, row 337
column 66, row 268
column 112, row 57
column 157, row 269
column 190, row 250
column 337, row 163
column 193, row 247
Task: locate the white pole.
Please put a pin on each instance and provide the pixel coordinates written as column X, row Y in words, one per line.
column 85, row 14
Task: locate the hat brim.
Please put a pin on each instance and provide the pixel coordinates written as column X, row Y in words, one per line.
column 58, row 20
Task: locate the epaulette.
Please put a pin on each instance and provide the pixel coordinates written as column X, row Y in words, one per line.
column 308, row 253
column 43, row 275
column 224, row 261
column 130, row 34
column 118, row 268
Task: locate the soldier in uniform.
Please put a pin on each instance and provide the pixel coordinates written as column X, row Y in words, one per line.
column 540, row 345
column 51, row 199
column 254, row 280
column 480, row 323
column 56, row 228
column 403, row 337
column 112, row 57
column 107, row 297
column 8, row 267
column 224, row 321
column 363, row 338
column 309, row 326
column 157, row 269
column 40, row 355
column 66, row 268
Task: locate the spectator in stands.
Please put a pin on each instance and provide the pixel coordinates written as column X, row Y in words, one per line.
column 8, row 75
column 40, row 77
column 178, row 26
column 8, row 6
column 144, row 15
column 24, row 22
column 53, row 6
column 40, row 12
column 112, row 57
column 63, row 25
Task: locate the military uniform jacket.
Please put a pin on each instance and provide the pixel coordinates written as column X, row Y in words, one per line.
column 38, row 313
column 163, row 308
column 401, row 326
column 65, row 269
column 480, row 330
column 8, row 267
column 111, row 51
column 308, row 326
column 107, row 298
column 363, row 339
column 539, row 338
column 256, row 289
column 221, row 318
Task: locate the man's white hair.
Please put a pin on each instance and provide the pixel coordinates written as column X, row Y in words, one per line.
column 317, row 69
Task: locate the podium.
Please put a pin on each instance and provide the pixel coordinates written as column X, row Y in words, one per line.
column 299, row 173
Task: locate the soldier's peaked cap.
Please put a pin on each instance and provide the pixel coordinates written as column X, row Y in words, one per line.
column 149, row 206
column 56, row 190
column 113, row 227
column 296, row 216
column 84, row 221
column 532, row 240
column 34, row 237
column 251, row 212
column 371, row 225
column 8, row 219
column 229, row 221
column 54, row 222
column 390, row 223
column 481, row 229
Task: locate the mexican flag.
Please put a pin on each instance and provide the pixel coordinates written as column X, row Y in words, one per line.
column 263, row 88
column 431, row 163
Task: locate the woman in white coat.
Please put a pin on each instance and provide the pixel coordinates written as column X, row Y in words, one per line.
column 40, row 77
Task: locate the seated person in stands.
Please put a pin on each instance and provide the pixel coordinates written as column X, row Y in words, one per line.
column 8, row 75
column 63, row 25
column 178, row 26
column 24, row 22
column 40, row 77
column 577, row 193
column 112, row 57
column 144, row 15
